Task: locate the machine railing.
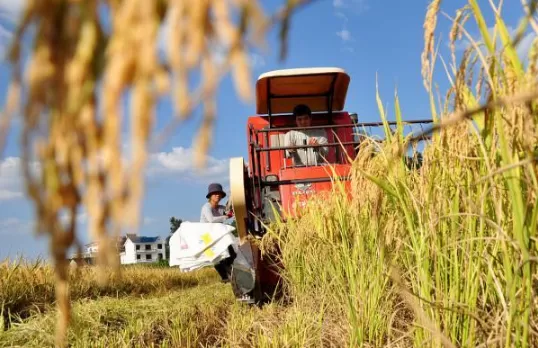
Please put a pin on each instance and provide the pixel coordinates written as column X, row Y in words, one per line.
column 352, row 125
column 267, row 183
column 263, row 136
column 303, row 181
column 358, row 136
column 297, row 147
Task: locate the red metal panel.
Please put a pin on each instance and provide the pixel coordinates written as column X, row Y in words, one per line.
column 296, row 195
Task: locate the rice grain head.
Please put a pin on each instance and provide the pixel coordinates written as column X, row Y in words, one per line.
column 74, row 130
column 430, row 23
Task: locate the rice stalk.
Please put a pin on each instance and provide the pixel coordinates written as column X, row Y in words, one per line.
column 76, row 79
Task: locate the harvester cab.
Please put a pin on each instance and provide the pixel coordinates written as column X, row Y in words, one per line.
column 274, row 176
column 273, row 180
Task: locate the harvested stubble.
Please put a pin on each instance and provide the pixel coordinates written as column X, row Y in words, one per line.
column 203, row 316
column 28, row 288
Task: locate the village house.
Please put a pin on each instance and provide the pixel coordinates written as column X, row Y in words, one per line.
column 90, row 251
column 138, row 249
column 131, row 249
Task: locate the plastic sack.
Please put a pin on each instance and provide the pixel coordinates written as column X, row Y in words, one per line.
column 195, row 245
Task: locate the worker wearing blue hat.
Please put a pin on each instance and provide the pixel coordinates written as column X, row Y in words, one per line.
column 213, row 212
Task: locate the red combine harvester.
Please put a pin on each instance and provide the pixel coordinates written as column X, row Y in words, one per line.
column 273, row 177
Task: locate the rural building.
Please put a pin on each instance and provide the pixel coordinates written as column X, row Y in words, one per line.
column 138, row 249
column 89, row 253
column 131, row 249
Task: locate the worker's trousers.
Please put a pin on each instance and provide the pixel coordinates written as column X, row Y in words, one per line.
column 224, row 267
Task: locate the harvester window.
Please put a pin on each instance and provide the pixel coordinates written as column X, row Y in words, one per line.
column 307, row 155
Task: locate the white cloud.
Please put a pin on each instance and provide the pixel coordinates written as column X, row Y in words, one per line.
column 342, row 16
column 11, row 10
column 176, row 163
column 81, row 218
column 355, row 6
column 344, row 34
column 256, row 60
column 11, row 178
column 148, row 220
column 9, row 222
column 345, row 8
column 218, row 51
column 179, row 162
column 14, row 226
column 338, row 3
column 522, row 48
column 6, row 195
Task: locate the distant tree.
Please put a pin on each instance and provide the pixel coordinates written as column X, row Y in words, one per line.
column 167, row 247
column 174, row 224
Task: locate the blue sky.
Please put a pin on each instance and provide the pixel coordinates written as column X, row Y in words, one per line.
column 367, row 38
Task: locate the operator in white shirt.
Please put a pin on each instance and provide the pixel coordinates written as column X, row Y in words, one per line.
column 306, row 156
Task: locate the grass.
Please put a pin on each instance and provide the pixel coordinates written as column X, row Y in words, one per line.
column 440, row 256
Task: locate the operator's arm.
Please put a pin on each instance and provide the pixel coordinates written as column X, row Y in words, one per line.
column 323, row 150
column 289, row 140
column 206, row 212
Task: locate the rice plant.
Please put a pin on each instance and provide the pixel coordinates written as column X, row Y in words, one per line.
column 440, row 255
column 444, row 255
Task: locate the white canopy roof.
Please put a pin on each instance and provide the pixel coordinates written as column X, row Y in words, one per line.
column 284, row 89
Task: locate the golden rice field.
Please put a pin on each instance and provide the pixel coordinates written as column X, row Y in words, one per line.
column 444, row 255
column 155, row 307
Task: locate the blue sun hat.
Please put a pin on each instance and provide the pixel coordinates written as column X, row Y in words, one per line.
column 215, row 188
